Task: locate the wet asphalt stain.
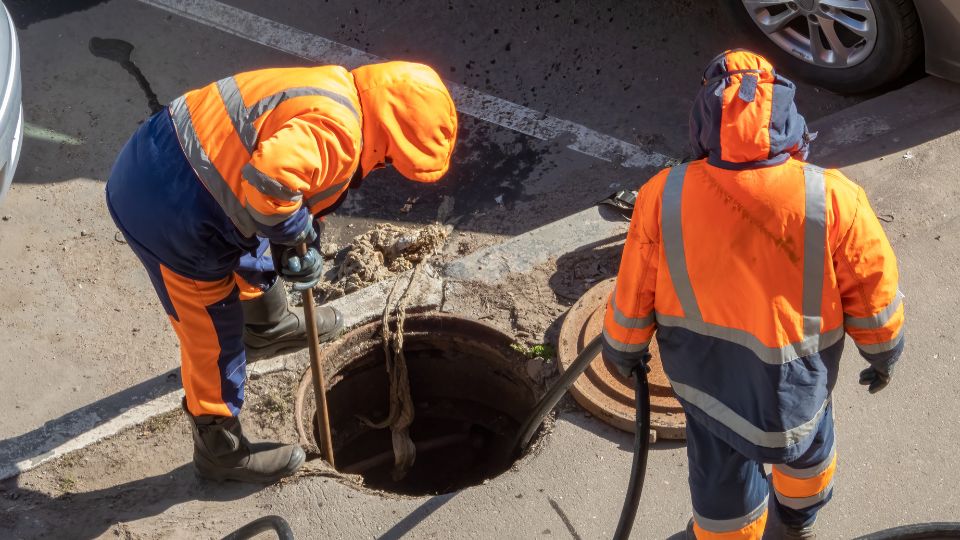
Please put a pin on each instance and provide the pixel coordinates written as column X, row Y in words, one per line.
column 27, row 12
column 119, row 51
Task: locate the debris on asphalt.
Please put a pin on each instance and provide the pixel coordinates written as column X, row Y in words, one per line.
column 379, row 254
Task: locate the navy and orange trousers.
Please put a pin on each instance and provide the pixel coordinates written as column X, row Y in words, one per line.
column 730, row 491
column 199, row 264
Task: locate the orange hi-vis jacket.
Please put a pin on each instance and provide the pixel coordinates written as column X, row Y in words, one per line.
column 750, row 276
column 267, row 143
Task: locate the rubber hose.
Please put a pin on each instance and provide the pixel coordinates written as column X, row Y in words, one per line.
column 641, row 447
column 264, row 524
column 555, row 392
column 924, row 531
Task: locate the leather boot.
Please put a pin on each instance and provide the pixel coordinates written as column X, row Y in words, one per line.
column 222, row 452
column 798, row 533
column 270, row 327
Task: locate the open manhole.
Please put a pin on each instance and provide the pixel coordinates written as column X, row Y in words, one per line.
column 601, row 389
column 470, row 392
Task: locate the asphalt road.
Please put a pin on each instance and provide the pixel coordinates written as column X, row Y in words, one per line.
column 79, row 321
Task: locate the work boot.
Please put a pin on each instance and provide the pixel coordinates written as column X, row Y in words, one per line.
column 688, row 532
column 798, row 533
column 222, row 452
column 271, row 327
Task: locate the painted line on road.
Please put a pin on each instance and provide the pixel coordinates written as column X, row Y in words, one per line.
column 495, row 110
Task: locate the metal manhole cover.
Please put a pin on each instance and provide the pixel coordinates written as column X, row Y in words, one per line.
column 601, row 390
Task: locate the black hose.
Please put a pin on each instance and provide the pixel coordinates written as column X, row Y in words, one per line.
column 641, row 447
column 925, row 531
column 555, row 392
column 264, row 524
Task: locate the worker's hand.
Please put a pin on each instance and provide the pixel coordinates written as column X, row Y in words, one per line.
column 303, row 271
column 876, row 379
column 627, row 370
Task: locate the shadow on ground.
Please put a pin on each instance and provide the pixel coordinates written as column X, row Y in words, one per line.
column 32, row 514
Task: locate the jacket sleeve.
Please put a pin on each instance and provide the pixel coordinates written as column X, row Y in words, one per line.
column 868, row 280
column 307, row 155
column 630, row 321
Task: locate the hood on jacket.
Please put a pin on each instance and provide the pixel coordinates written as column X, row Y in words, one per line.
column 409, row 120
column 744, row 116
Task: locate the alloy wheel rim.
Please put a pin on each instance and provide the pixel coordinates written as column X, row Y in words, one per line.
column 825, row 33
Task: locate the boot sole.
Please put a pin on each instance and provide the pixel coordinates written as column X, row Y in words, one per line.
column 239, row 475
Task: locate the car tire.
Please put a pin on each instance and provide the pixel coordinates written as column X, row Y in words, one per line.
column 899, row 45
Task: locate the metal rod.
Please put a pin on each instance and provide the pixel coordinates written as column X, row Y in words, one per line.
column 319, row 385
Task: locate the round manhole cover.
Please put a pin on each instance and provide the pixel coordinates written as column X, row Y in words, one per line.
column 601, row 390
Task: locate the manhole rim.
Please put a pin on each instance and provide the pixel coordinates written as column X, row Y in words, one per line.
column 370, row 329
column 670, row 426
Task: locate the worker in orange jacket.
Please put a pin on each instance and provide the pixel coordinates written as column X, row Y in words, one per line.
column 750, row 265
column 253, row 161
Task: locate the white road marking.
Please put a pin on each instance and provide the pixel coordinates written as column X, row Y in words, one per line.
column 492, row 109
column 33, row 131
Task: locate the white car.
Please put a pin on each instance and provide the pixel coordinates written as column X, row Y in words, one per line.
column 11, row 107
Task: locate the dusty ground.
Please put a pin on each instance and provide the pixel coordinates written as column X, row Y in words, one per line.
column 80, row 330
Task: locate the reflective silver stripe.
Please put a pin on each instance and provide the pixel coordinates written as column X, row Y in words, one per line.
column 878, row 320
column 799, row 503
column 264, row 219
column 205, row 170
column 877, row 348
column 628, row 348
column 672, row 202
column 237, row 111
column 770, row 355
column 629, row 322
column 243, row 118
column 326, row 193
column 713, row 408
column 273, row 101
column 728, row 525
column 814, row 246
column 268, row 186
column 810, row 472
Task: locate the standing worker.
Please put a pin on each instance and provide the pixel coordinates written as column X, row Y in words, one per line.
column 750, row 265
column 253, row 161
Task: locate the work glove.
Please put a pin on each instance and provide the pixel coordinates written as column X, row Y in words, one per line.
column 627, row 369
column 877, row 379
column 302, row 271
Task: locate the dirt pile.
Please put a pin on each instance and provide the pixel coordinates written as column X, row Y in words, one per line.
column 378, row 254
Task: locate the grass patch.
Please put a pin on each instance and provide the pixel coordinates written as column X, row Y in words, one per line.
column 544, row 351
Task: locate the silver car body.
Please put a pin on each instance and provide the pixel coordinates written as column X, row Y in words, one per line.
column 940, row 20
column 11, row 107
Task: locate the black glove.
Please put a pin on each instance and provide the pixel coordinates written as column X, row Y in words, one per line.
column 877, row 379
column 627, row 370
column 303, row 271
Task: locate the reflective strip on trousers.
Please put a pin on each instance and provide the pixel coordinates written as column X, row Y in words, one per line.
column 813, row 341
column 733, row 524
column 206, row 171
column 809, row 472
column 799, row 503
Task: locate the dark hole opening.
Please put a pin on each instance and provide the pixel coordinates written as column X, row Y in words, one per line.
column 469, row 400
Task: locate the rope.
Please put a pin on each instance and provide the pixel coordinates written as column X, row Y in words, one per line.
column 401, row 402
